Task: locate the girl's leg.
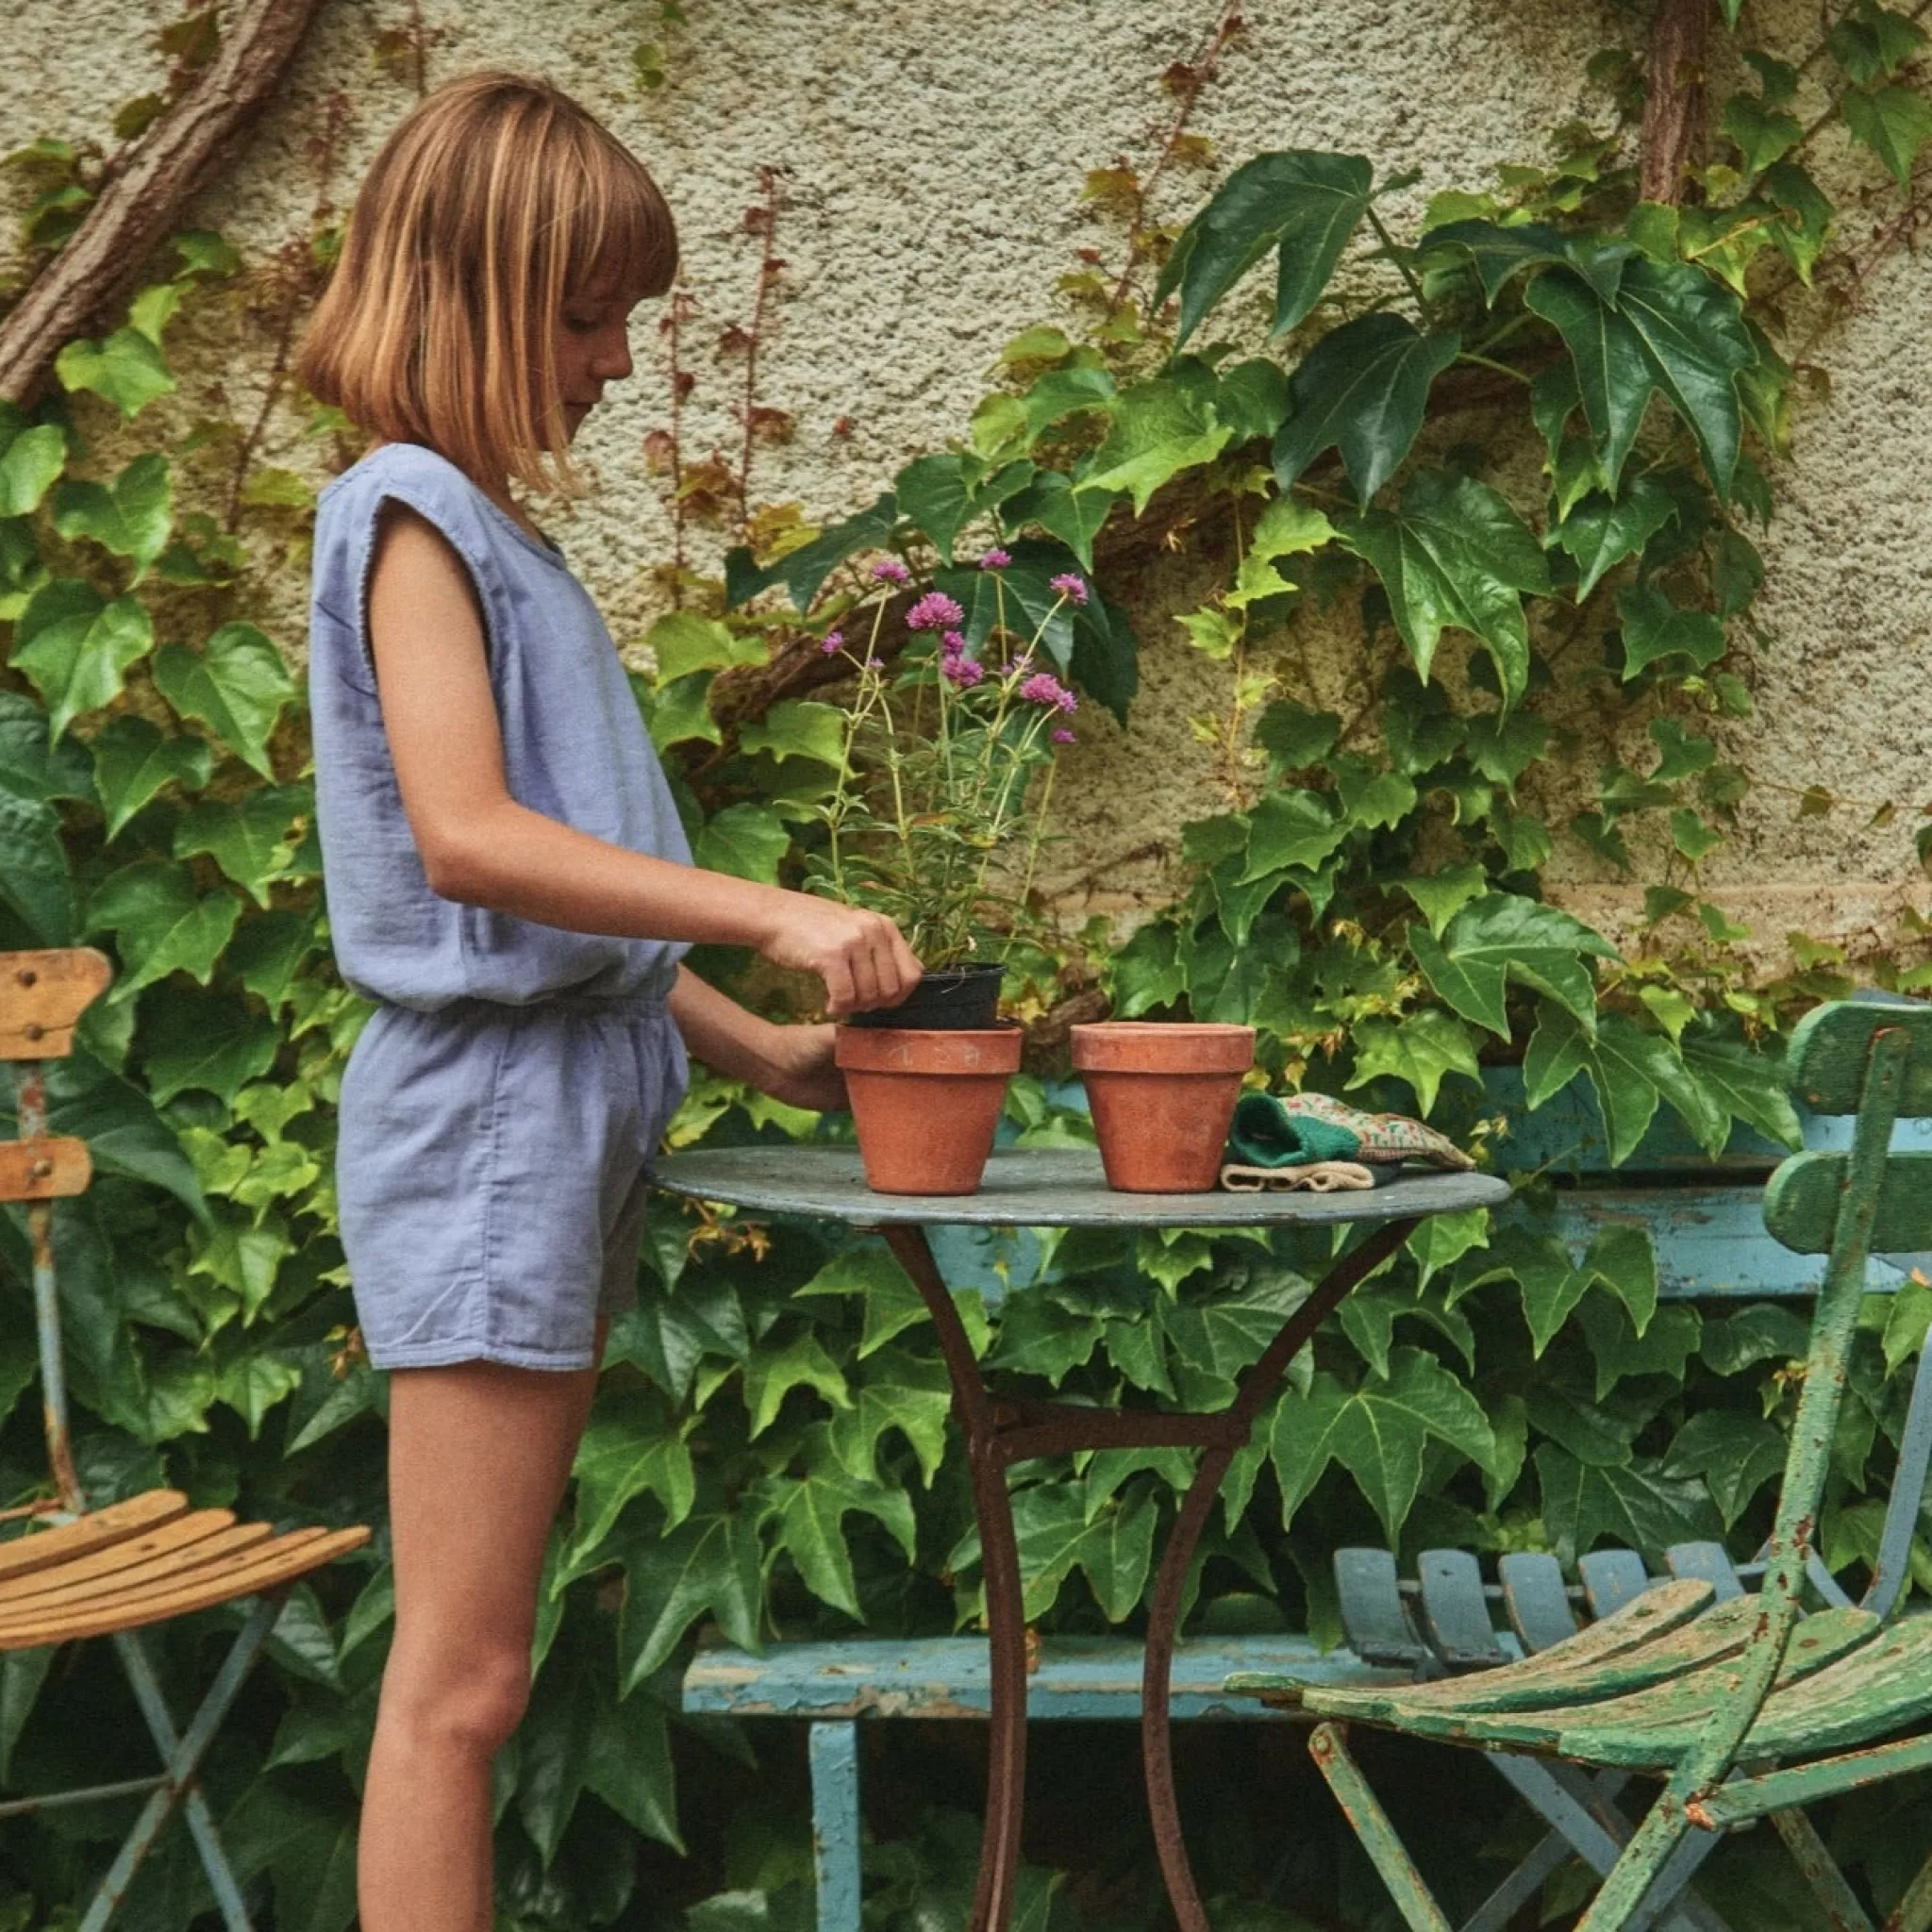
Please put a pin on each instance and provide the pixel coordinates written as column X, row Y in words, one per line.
column 478, row 1455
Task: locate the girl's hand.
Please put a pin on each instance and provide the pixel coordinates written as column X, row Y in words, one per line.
column 803, row 1072
column 861, row 956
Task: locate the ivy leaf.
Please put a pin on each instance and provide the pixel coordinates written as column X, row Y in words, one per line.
column 1629, row 1069
column 1456, row 555
column 1223, row 1332
column 1444, row 894
column 1894, row 122
column 1680, row 755
column 1158, row 429
column 131, row 517
column 236, row 684
column 161, row 923
column 1635, row 1507
column 810, row 1524
column 33, row 767
column 627, row 1763
column 805, row 570
column 134, row 758
column 1503, row 937
column 746, row 841
column 77, row 646
column 909, row 1394
column 936, row 492
column 1292, row 829
column 1601, row 533
column 1418, row 1049
column 1371, row 797
column 798, row 728
column 1117, row 1553
column 1055, row 503
column 253, row 1383
column 249, row 838
column 671, row 1331
column 771, row 1373
column 1804, row 216
column 1673, row 329
column 1662, row 1349
column 631, row 1447
column 1735, row 1455
column 1307, row 204
column 1874, row 41
column 1378, row 1433
column 1364, row 389
column 127, row 369
column 35, row 882
column 1057, row 393
column 1761, row 133
column 1286, row 528
column 1499, row 251
column 706, row 1565
column 1502, row 745
column 684, row 642
column 681, row 711
column 1750, row 1085
column 193, row 1039
column 33, row 459
column 1296, row 738
column 1655, row 630
column 266, row 954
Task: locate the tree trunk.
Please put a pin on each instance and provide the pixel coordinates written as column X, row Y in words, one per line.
column 77, row 291
column 1673, row 111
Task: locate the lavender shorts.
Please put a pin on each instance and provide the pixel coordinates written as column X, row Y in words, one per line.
column 492, row 1169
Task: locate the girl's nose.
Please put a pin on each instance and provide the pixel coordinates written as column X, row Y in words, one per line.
column 614, row 359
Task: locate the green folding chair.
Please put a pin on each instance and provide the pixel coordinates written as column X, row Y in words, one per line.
column 1749, row 1707
column 77, row 1572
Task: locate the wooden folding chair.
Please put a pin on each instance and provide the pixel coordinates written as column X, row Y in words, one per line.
column 107, row 1572
column 1740, row 1706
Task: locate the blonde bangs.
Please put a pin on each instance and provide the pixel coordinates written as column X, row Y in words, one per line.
column 493, row 203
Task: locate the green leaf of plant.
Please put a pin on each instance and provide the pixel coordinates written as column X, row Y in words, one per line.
column 1455, row 554
column 35, row 881
column 1117, row 1553
column 1499, row 251
column 1894, row 122
column 1292, row 829
column 771, row 1373
column 1444, row 894
column 1504, row 937
column 799, row 727
column 631, row 1447
column 1221, row 1333
column 32, row 460
column 685, row 642
column 1549, row 1281
column 1804, row 215
column 1362, row 389
column 810, row 1524
column 1421, row 1048
column 134, row 758
column 681, row 711
column 1601, row 533
column 1751, row 1086
column 236, row 684
column 936, row 493
column 127, row 369
column 118, row 1120
column 161, row 923
column 76, row 646
column 253, row 1383
column 1057, row 506
column 249, row 838
column 1295, row 737
column 707, row 1564
column 266, row 952
column 1871, row 41
column 1057, row 393
column 1673, row 329
column 131, row 517
column 805, row 570
column 32, row 766
column 628, row 1765
column 1656, row 629
column 671, row 1332
column 1736, row 1455
column 1306, row 204
column 1662, row 1349
column 1761, row 133
column 1634, row 1506
column 1158, row 429
column 1371, row 797
column 746, row 841
column 195, row 1039
column 904, row 1393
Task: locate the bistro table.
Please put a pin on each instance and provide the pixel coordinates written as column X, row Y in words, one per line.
column 1065, row 1188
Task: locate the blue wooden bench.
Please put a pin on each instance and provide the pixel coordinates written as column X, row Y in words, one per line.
column 1705, row 1219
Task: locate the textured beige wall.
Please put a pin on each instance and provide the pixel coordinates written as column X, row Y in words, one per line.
column 933, row 157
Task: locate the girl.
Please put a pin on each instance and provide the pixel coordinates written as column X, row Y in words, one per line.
column 509, row 882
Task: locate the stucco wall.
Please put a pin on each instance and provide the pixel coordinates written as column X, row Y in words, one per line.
column 933, row 160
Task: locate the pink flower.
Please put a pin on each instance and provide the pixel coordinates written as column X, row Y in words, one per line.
column 994, row 560
column 834, row 642
column 888, row 570
column 874, row 663
column 1063, row 736
column 954, row 643
column 962, row 671
column 1070, row 587
column 934, row 611
column 1043, row 688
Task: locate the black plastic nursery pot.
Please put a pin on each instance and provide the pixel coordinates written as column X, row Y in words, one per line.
column 947, row 999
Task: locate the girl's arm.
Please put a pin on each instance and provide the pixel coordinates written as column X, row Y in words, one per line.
column 791, row 1064
column 479, row 846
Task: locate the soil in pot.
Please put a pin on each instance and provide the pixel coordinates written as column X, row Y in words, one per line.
column 947, row 999
column 1162, row 1095
column 926, row 1102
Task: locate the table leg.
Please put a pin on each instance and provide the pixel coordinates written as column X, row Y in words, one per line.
column 1005, row 1616
column 1257, row 1388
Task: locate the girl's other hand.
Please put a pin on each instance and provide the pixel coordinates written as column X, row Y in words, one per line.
column 803, row 1074
column 861, row 956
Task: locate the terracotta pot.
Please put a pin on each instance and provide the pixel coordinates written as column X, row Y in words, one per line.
column 1162, row 1095
column 925, row 1103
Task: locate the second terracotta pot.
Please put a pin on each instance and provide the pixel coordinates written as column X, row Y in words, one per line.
column 1162, row 1095
column 927, row 1104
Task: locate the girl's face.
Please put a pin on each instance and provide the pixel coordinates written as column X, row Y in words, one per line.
column 592, row 346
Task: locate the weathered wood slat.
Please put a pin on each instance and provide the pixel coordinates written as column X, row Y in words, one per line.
column 1457, row 1611
column 1538, row 1602
column 116, row 1523
column 44, row 994
column 1830, row 1047
column 1800, row 1202
column 45, row 1169
column 1373, row 1613
column 55, row 1589
column 173, row 1534
column 1610, row 1580
column 255, row 1571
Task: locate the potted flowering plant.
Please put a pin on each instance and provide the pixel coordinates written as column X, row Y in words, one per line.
column 937, row 819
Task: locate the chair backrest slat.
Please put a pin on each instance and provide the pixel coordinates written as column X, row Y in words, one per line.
column 47, row 1169
column 1803, row 1196
column 1831, row 1047
column 43, row 994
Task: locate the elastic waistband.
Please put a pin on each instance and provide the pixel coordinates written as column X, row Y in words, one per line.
column 639, row 1006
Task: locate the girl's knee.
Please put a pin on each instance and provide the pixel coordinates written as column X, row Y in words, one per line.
column 467, row 1699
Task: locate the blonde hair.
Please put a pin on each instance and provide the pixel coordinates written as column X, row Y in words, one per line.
column 493, row 203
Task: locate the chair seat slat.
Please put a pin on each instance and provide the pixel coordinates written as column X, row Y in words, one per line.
column 118, row 1557
column 59, row 1592
column 117, row 1523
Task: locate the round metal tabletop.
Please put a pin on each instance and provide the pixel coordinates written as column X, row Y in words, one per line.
column 1040, row 1186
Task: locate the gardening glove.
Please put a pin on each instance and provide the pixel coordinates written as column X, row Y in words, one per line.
column 1298, row 1130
